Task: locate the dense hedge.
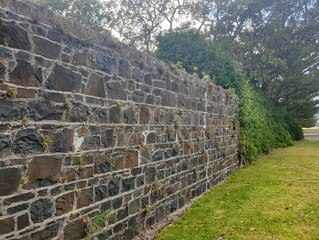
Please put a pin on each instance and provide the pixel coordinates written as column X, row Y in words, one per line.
column 264, row 125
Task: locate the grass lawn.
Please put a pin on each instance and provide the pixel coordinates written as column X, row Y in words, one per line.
column 276, row 197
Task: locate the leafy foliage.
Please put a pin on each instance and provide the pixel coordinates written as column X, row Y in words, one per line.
column 264, row 125
column 189, row 49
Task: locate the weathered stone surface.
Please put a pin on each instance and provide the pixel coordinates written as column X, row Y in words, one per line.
column 128, row 184
column 10, row 111
column 101, row 192
column 41, row 210
column 49, row 232
column 64, row 203
column 26, row 75
column 28, row 141
column 82, row 57
column 124, row 69
column 103, row 62
column 23, row 221
column 55, row 36
column 7, row 225
column 144, row 115
column 10, row 179
column 114, row 186
column 131, row 159
column 63, row 79
column 138, row 96
column 38, row 111
column 107, row 138
column 18, row 208
column 115, row 114
column 5, row 145
column 63, row 141
column 129, row 116
column 2, row 71
column 150, row 175
column 115, row 91
column 157, row 156
column 19, row 198
column 46, row 48
column 44, row 171
column 95, row 86
column 13, row 36
column 134, row 206
column 117, row 203
column 74, row 230
column 84, row 198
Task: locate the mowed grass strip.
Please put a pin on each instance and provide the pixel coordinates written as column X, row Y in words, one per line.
column 276, row 197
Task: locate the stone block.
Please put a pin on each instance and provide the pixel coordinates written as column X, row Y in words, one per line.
column 114, row 186
column 38, row 111
column 5, row 146
column 40, row 210
column 82, row 57
column 117, row 203
column 84, row 198
column 7, row 225
column 48, row 232
column 13, row 36
column 101, row 192
column 18, row 208
column 44, row 170
column 46, row 48
column 131, row 159
column 124, row 69
column 115, row 91
column 10, row 179
column 23, row 221
column 134, row 206
column 63, row 79
column 115, row 114
column 64, row 203
column 10, row 111
column 144, row 115
column 74, row 230
column 19, row 198
column 95, row 86
column 128, row 184
column 26, row 75
column 129, row 116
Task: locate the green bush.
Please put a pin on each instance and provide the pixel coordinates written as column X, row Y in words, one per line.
column 264, row 125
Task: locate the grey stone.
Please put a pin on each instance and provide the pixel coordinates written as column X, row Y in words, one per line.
column 10, row 179
column 13, row 36
column 124, row 69
column 117, row 203
column 115, row 115
column 128, row 184
column 10, row 111
column 46, row 48
column 138, row 96
column 134, row 206
column 41, row 210
column 55, row 36
column 6, row 53
column 107, row 138
column 129, row 116
column 63, row 79
column 18, row 208
column 38, row 111
column 26, row 75
column 114, row 186
column 95, row 86
column 103, row 62
column 27, row 141
column 100, row 192
column 5, row 145
column 157, row 156
column 115, row 91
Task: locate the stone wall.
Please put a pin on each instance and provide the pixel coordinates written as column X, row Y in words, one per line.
column 94, row 130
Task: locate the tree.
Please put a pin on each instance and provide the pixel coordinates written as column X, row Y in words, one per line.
column 90, row 13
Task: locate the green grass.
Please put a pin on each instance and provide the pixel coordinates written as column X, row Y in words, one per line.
column 276, row 197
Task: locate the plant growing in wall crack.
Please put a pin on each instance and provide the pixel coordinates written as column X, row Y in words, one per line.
column 47, row 141
column 94, row 225
column 11, row 93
